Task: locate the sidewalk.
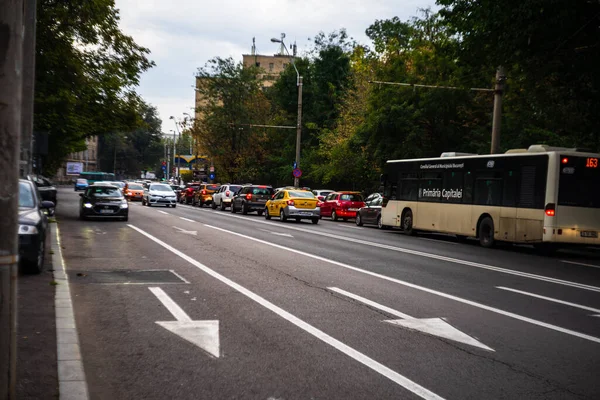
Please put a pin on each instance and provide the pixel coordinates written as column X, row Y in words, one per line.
column 37, row 372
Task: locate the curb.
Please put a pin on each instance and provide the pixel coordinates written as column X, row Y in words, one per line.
column 71, row 377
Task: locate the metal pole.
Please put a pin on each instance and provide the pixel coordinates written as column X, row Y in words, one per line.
column 497, row 118
column 174, row 154
column 11, row 92
column 298, row 129
column 29, row 21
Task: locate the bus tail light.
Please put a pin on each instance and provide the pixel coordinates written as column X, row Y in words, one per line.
column 565, row 160
column 550, row 210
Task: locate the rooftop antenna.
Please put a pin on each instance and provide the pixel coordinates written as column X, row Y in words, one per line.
column 282, row 47
column 253, row 46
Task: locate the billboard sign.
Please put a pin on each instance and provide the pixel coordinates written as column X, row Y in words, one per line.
column 74, row 168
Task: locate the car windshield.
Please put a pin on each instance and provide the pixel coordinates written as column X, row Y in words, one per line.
column 302, row 194
column 161, row 188
column 135, row 186
column 351, row 197
column 26, row 196
column 82, row 181
column 104, row 191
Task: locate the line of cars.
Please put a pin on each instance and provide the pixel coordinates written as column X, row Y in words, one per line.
column 285, row 203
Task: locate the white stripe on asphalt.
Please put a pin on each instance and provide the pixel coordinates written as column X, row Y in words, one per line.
column 422, row 288
column 578, row 263
column 550, row 299
column 428, row 255
column 187, row 219
column 163, row 212
column 349, row 351
column 438, row 240
column 168, row 302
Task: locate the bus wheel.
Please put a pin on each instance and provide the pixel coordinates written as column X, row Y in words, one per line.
column 407, row 222
column 486, row 232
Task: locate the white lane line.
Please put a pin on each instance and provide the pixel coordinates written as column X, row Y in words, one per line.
column 438, row 241
column 578, row 263
column 430, row 255
column 187, row 219
column 163, row 212
column 549, row 299
column 179, row 276
column 349, row 351
column 422, row 288
column 173, row 307
column 350, row 226
column 372, row 303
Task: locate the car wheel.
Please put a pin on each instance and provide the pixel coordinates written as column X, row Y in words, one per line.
column 232, row 207
column 315, row 221
column 126, row 218
column 334, row 216
column 213, row 205
column 259, row 212
column 244, row 209
column 282, row 216
column 358, row 220
column 174, row 205
column 486, row 232
column 267, row 215
column 380, row 223
column 222, row 205
column 37, row 266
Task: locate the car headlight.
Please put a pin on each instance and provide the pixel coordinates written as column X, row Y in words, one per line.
column 124, row 204
column 27, row 230
column 87, row 205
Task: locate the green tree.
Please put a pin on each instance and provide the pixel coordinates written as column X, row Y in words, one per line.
column 86, row 71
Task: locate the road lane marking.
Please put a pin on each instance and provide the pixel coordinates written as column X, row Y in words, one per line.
column 349, row 351
column 433, row 256
column 179, row 276
column 204, row 334
column 181, row 230
column 422, row 288
column 578, row 263
column 431, row 326
column 187, row 219
column 350, row 226
column 163, row 212
column 551, row 299
column 438, row 240
column 277, row 233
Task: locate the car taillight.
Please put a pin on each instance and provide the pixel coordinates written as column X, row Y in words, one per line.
column 203, row 191
column 550, row 209
column 227, row 193
column 338, row 203
column 249, row 196
column 290, row 202
column 319, row 203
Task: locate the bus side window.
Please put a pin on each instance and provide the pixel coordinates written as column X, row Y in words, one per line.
column 453, row 184
column 509, row 199
column 488, row 189
column 468, row 188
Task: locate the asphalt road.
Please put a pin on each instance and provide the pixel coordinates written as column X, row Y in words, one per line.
column 303, row 311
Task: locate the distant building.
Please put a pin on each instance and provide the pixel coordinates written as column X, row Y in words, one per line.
column 88, row 160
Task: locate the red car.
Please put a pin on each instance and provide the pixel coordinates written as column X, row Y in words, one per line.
column 187, row 195
column 342, row 205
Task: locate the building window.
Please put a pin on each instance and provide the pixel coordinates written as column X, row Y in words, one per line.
column 271, row 67
column 258, row 64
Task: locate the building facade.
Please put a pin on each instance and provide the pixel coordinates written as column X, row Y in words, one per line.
column 86, row 160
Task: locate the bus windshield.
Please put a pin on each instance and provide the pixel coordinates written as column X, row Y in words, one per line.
column 577, row 173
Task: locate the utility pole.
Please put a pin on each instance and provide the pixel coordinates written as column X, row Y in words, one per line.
column 29, row 21
column 11, row 92
column 497, row 116
column 298, row 129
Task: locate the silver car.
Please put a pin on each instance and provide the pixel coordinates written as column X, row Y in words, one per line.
column 222, row 198
column 159, row 194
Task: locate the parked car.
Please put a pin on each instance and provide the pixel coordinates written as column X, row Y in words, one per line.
column 371, row 212
column 33, row 226
column 322, row 193
column 222, row 197
column 46, row 188
column 342, row 205
column 103, row 201
column 293, row 203
column 187, row 194
column 203, row 196
column 159, row 194
column 81, row 184
column 251, row 198
column 134, row 191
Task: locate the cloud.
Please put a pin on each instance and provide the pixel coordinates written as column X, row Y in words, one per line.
column 183, row 34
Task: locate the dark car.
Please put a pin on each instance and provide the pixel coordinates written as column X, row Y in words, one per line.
column 33, row 226
column 103, row 201
column 251, row 198
column 371, row 212
column 45, row 187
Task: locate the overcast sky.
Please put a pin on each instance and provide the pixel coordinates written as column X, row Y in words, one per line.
column 183, row 34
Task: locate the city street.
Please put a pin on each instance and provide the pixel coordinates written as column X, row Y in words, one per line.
column 195, row 303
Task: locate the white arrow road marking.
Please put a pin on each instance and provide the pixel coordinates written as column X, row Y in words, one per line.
column 277, row 233
column 187, row 219
column 430, row 326
column 204, row 334
column 163, row 212
column 414, row 286
column 553, row 300
column 181, row 230
column 344, row 348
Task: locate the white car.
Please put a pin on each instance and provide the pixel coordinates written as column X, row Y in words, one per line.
column 159, row 194
column 322, row 193
column 222, row 197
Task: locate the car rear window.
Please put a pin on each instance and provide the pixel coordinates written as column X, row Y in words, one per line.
column 212, row 187
column 235, row 188
column 302, row 194
column 351, row 197
column 135, row 186
column 262, row 191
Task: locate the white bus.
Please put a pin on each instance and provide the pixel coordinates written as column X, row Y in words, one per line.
column 545, row 196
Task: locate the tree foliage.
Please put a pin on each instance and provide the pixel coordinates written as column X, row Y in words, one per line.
column 86, row 71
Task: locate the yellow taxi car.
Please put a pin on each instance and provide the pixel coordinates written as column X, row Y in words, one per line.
column 133, row 191
column 293, row 203
column 203, row 196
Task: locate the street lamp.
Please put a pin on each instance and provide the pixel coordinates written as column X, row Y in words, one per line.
column 176, row 127
column 299, row 123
